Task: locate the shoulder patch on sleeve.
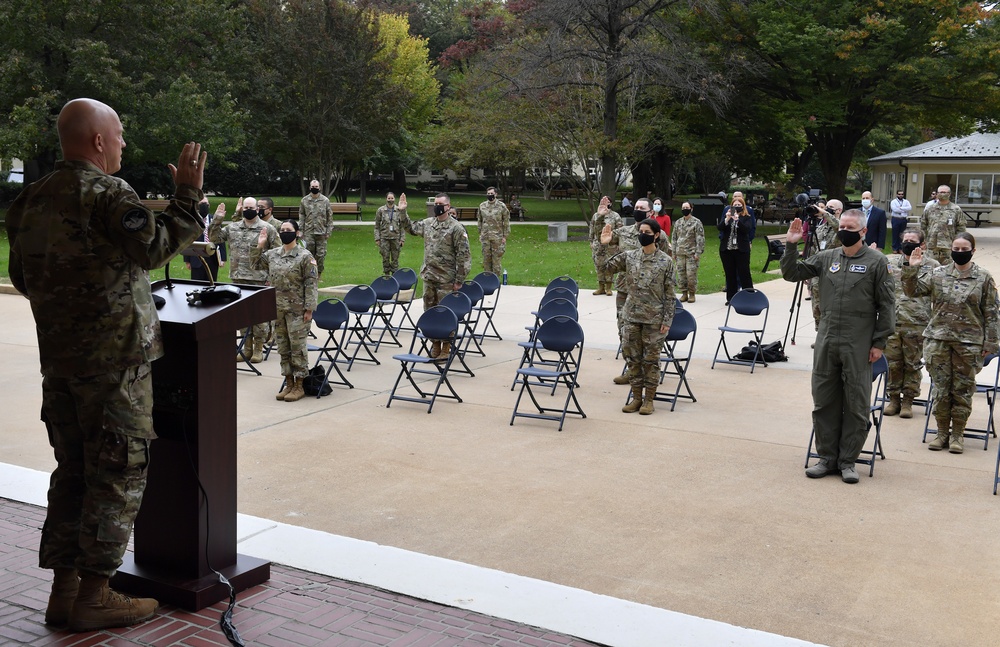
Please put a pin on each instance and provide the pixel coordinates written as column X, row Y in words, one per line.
column 134, row 220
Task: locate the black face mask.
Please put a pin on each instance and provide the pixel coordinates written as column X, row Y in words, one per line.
column 249, row 214
column 439, row 210
column 203, row 208
column 961, row 258
column 848, row 237
column 491, row 198
column 686, row 212
column 908, row 247
column 738, row 209
column 314, row 190
column 647, row 239
column 287, row 236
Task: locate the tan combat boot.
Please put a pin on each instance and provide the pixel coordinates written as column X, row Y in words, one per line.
column 621, row 379
column 684, row 297
column 691, row 298
column 600, row 288
column 288, row 387
column 647, row 403
column 941, row 440
column 610, row 289
column 892, row 408
column 436, row 349
column 97, row 606
column 906, row 408
column 65, row 584
column 957, row 442
column 692, row 289
column 297, row 392
column 445, row 351
column 636, row 402
column 258, row 351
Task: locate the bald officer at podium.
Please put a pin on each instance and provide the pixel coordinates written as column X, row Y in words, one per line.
column 81, row 246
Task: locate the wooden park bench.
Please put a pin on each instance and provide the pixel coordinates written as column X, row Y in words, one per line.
column 155, row 205
column 352, row 208
column 775, row 249
column 466, row 213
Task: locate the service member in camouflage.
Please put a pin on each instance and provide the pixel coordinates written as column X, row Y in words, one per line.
column 858, row 314
column 447, row 259
column 906, row 345
column 81, row 246
column 825, row 237
column 389, row 234
column 626, row 238
column 265, row 211
column 688, row 237
column 600, row 252
column 941, row 223
column 961, row 333
column 241, row 237
column 316, row 221
column 291, row 271
column 648, row 311
column 494, row 228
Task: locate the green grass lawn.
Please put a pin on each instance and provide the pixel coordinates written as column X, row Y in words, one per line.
column 530, row 258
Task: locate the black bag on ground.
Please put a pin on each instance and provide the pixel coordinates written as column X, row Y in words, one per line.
column 312, row 382
column 772, row 352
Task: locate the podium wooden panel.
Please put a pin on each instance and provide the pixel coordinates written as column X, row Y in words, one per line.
column 179, row 533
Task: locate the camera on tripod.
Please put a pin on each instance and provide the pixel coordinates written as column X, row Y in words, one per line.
column 808, row 209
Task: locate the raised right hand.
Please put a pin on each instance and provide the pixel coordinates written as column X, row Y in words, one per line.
column 402, row 201
column 917, row 257
column 262, row 239
column 606, row 234
column 794, row 234
column 604, row 206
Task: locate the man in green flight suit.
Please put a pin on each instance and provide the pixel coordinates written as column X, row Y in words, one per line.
column 858, row 312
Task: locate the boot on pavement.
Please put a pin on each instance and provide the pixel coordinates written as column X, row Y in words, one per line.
column 956, row 445
column 258, row 351
column 621, row 379
column 297, row 392
column 906, row 407
column 65, row 584
column 636, row 401
column 97, row 606
column 647, row 402
column 445, row 351
column 436, row 349
column 600, row 288
column 684, row 297
column 892, row 408
column 289, row 382
column 941, row 440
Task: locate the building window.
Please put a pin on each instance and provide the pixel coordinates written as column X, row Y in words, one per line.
column 975, row 188
column 932, row 181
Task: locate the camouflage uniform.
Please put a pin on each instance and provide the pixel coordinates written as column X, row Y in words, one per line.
column 316, row 223
column 649, row 305
column 627, row 239
column 906, row 345
column 389, row 236
column 963, row 326
column 824, row 238
column 940, row 224
column 81, row 243
column 447, row 259
column 494, row 228
column 688, row 238
column 242, row 239
column 296, row 284
column 602, row 253
column 858, row 314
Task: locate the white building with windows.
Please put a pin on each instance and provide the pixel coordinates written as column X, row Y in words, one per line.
column 969, row 165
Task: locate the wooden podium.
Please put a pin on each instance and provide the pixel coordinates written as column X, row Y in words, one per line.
column 181, row 534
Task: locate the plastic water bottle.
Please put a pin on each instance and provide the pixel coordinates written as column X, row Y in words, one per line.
column 505, row 277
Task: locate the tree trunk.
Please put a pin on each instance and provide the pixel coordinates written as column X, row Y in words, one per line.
column 399, row 180
column 363, row 189
column 834, row 150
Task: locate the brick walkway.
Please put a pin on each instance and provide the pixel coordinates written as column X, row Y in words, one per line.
column 294, row 608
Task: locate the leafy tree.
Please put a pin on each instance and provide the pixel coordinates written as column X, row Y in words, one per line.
column 168, row 84
column 840, row 69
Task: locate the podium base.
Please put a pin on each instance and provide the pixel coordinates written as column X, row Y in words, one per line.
column 189, row 594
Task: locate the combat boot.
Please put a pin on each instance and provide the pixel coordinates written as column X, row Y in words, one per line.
column 691, row 292
column 97, row 606
column 647, row 403
column 906, row 408
column 941, row 440
column 289, row 382
column 892, row 408
column 636, row 401
column 600, row 288
column 258, row 352
column 65, row 584
column 957, row 441
column 691, row 298
column 610, row 289
column 621, row 379
column 445, row 351
column 684, row 297
column 435, row 349
column 297, row 392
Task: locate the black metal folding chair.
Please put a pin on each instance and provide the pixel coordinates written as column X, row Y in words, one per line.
column 475, row 293
column 987, row 383
column 360, row 300
column 491, row 285
column 435, row 324
column 332, row 316
column 407, row 280
column 748, row 305
column 386, row 292
column 460, row 304
column 564, row 336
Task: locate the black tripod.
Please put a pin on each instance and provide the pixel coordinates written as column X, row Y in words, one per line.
column 796, row 307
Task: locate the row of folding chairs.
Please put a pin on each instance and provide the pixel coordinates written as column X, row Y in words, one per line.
column 551, row 356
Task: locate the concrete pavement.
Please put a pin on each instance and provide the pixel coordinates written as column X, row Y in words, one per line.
column 703, row 511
